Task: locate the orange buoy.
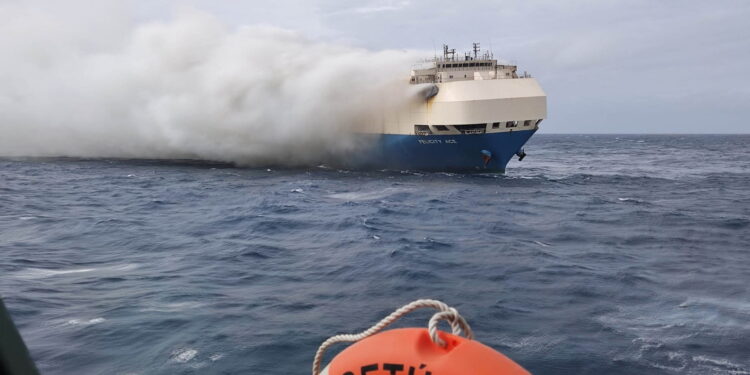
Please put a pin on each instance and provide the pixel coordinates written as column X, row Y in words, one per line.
column 410, row 351
column 417, row 351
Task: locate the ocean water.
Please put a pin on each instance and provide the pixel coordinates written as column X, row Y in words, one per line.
column 596, row 254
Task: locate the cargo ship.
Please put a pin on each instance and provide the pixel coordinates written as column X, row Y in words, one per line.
column 475, row 114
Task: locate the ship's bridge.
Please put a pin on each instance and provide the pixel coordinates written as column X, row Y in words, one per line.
column 471, row 67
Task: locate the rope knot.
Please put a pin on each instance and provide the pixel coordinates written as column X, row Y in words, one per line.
column 457, row 322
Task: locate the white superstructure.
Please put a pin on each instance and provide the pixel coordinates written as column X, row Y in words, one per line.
column 474, row 93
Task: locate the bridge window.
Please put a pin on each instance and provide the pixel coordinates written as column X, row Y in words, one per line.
column 527, row 123
column 511, row 124
column 495, row 125
column 441, row 128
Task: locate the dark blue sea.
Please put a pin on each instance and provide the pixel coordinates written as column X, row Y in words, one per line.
column 598, row 254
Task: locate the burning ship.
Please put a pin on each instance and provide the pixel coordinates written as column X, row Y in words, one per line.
column 476, row 115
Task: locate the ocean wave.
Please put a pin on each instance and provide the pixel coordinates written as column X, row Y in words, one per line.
column 183, row 355
column 358, row 196
column 722, row 365
column 41, row 273
column 84, row 322
column 534, row 343
column 172, row 307
column 631, row 200
column 540, row 243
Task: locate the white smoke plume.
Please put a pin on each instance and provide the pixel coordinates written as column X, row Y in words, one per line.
column 189, row 87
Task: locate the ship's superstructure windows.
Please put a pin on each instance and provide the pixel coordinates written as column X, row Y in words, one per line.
column 482, row 128
column 472, row 128
column 538, row 121
column 422, row 130
column 463, row 65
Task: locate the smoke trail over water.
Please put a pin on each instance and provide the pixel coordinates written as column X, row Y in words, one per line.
column 187, row 88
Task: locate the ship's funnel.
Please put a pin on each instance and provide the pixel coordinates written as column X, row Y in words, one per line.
column 430, row 91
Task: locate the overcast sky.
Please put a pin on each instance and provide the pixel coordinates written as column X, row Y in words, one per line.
column 608, row 66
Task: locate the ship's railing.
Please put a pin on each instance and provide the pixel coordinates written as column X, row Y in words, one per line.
column 475, row 68
column 433, row 79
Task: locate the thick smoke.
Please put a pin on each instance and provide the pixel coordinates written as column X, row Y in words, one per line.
column 187, row 88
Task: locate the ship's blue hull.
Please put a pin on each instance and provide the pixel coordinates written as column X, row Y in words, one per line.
column 488, row 152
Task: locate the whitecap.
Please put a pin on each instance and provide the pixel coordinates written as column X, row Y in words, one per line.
column 540, row 243
column 297, row 190
column 83, row 322
column 198, row 365
column 632, row 200
column 533, row 343
column 40, row 273
column 721, row 362
column 367, row 195
column 121, row 267
column 172, row 307
column 183, row 355
column 216, row 357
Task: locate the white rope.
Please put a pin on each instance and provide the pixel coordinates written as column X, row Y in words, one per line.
column 457, row 322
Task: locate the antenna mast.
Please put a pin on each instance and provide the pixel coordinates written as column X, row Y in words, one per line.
column 476, row 49
column 446, row 52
